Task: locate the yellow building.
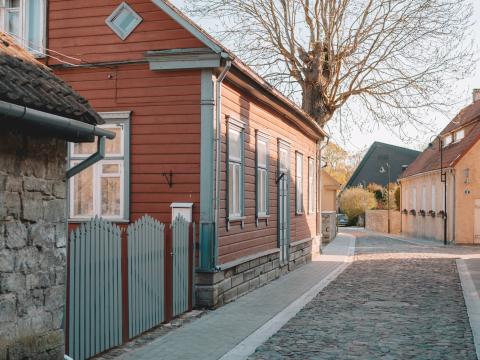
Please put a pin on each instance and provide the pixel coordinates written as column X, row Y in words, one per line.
column 330, row 188
column 441, row 188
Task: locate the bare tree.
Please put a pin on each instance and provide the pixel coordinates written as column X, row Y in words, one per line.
column 394, row 58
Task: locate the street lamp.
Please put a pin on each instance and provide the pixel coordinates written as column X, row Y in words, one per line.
column 383, row 171
column 443, row 179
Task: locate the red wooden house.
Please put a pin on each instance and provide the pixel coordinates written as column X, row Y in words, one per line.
column 194, row 125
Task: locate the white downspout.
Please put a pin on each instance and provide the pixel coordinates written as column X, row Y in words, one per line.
column 218, row 148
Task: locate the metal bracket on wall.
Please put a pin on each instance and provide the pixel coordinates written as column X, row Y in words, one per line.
column 169, row 178
column 279, row 178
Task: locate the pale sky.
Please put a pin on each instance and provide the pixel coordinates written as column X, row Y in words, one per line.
column 359, row 141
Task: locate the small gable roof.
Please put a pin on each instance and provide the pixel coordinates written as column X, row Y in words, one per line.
column 429, row 160
column 217, row 47
column 27, row 82
column 368, row 171
column 329, row 183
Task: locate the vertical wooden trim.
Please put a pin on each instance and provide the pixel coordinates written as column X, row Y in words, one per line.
column 207, row 171
column 67, row 299
column 124, row 287
column 168, row 273
column 191, row 256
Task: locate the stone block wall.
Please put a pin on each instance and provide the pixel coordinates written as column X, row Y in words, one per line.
column 377, row 220
column 32, row 246
column 214, row 289
column 329, row 226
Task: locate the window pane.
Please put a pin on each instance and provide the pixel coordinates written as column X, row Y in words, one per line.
column 34, row 19
column 110, row 190
column 13, row 23
column 262, row 191
column 84, row 148
column 230, row 189
column 283, row 159
column 234, row 145
column 262, row 153
column 114, row 146
column 110, row 168
column 83, row 193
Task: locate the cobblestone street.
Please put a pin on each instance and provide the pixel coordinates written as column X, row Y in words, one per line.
column 398, row 300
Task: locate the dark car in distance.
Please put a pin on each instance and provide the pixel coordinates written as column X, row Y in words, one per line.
column 342, row 220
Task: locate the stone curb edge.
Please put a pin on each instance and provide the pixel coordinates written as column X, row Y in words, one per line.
column 472, row 301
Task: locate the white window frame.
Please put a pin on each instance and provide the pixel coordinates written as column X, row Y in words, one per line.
column 262, row 193
column 235, row 126
column 117, row 30
column 414, row 199
column 312, row 188
column 112, row 120
column 459, row 135
column 434, row 198
column 22, row 38
column 424, row 198
column 447, row 140
column 299, row 207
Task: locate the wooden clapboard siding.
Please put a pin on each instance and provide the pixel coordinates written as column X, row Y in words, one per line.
column 78, row 29
column 237, row 242
column 165, row 130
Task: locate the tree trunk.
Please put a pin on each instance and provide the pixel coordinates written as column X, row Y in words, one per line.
column 314, row 104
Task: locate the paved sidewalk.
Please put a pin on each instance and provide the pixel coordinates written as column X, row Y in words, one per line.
column 233, row 331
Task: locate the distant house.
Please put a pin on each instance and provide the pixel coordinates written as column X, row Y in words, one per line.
column 330, row 189
column 38, row 114
column 446, row 206
column 378, row 156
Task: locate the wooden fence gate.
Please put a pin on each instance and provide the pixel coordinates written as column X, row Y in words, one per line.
column 122, row 282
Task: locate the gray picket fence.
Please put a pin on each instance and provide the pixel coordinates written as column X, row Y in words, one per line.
column 121, row 286
column 146, row 252
column 95, row 297
column 180, row 259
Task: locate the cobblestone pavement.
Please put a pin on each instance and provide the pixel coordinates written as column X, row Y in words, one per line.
column 398, row 300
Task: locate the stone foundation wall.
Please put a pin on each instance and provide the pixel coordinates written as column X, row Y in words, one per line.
column 329, row 226
column 32, row 246
column 214, row 289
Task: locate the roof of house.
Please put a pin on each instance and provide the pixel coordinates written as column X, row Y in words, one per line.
column 27, row 82
column 217, row 46
column 368, row 171
column 429, row 160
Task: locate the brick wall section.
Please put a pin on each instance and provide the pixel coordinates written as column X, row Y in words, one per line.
column 237, row 279
column 377, row 220
column 32, row 247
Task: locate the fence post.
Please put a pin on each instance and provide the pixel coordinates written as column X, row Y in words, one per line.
column 191, row 257
column 168, row 273
column 125, row 325
column 66, row 312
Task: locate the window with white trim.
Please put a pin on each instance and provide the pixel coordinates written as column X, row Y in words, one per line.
column 235, row 171
column 434, row 198
column 25, row 21
column 123, row 20
column 100, row 190
column 312, row 188
column 299, row 183
column 414, row 199
column 262, row 175
column 424, row 198
column 447, row 140
column 459, row 135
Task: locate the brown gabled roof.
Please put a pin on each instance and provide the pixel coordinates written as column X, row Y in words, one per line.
column 27, row 82
column 429, row 160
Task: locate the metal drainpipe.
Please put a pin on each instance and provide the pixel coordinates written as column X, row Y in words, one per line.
column 320, row 148
column 218, row 146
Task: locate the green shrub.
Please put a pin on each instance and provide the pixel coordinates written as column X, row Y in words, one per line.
column 355, row 201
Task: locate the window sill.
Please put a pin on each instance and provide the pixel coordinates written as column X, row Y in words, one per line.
column 262, row 218
column 82, row 220
column 299, row 213
column 236, row 219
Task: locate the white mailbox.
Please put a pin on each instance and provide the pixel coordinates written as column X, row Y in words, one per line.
column 184, row 209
